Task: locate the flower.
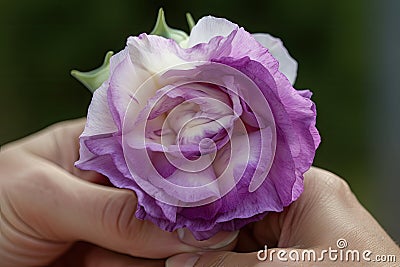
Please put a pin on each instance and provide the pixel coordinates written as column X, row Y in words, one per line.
column 207, row 130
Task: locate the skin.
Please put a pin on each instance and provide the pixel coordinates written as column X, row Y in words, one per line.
column 53, row 214
column 325, row 212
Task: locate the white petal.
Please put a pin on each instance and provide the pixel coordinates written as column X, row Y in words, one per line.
column 154, row 53
column 99, row 119
column 287, row 65
column 209, row 27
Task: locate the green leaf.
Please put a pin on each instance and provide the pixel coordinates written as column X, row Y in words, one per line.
column 162, row 29
column 93, row 79
column 190, row 21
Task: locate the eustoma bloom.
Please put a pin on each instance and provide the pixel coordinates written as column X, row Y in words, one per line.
column 206, row 129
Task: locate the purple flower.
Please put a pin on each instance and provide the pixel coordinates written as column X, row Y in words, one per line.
column 209, row 133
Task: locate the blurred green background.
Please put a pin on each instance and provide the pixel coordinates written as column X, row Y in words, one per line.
column 347, row 51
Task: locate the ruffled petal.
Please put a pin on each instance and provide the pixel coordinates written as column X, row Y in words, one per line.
column 127, row 88
column 287, row 65
column 256, row 169
column 209, row 27
column 99, row 119
column 154, row 53
column 294, row 117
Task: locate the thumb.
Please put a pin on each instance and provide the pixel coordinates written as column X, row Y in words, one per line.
column 105, row 216
column 101, row 215
column 111, row 212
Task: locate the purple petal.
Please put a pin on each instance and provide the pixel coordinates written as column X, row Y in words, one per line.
column 287, row 65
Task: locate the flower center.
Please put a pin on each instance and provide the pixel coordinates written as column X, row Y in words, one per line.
column 193, row 125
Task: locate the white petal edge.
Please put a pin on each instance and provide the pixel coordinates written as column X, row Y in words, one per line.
column 99, row 119
column 287, row 65
column 209, row 27
column 153, row 53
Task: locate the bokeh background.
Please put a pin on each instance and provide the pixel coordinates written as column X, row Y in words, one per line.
column 348, row 54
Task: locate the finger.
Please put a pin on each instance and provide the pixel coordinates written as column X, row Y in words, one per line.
column 325, row 202
column 70, row 130
column 65, row 137
column 112, row 214
column 59, row 144
column 220, row 241
column 62, row 207
column 79, row 210
column 87, row 255
column 101, row 215
column 66, row 149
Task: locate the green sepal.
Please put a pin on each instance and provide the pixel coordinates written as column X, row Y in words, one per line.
column 162, row 29
column 190, row 21
column 93, row 79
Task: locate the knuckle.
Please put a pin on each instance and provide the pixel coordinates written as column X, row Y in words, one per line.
column 64, row 129
column 330, row 182
column 119, row 214
column 65, row 145
column 335, row 182
column 33, row 172
column 56, row 129
column 59, row 126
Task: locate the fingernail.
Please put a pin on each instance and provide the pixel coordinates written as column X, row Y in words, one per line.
column 182, row 260
column 218, row 241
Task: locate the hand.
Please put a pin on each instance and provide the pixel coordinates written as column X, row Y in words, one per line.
column 47, row 205
column 326, row 212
